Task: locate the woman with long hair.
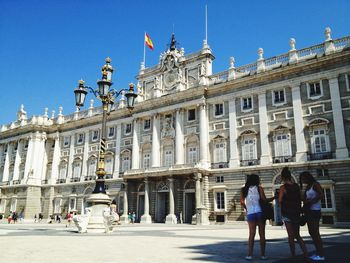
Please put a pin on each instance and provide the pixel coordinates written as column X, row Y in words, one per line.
column 290, row 203
column 250, row 196
column 312, row 209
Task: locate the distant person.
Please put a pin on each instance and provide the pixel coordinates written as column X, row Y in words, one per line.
column 129, row 217
column 290, row 203
column 35, row 218
column 133, row 217
column 58, row 218
column 21, row 217
column 251, row 193
column 41, row 217
column 312, row 209
column 9, row 218
column 69, row 219
column 14, row 217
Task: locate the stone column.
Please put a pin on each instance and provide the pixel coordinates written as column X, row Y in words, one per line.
column 84, row 168
column 156, row 141
column 198, row 178
column 146, row 218
column 203, row 137
column 5, row 175
column 341, row 148
column 124, row 218
column 71, row 157
column 18, row 160
column 55, row 160
column 264, row 131
column 135, row 162
column 117, row 151
column 206, row 191
column 179, row 143
column 171, row 217
column 301, row 154
column 28, row 170
column 234, row 157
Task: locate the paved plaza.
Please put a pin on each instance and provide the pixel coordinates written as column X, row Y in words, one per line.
column 49, row 243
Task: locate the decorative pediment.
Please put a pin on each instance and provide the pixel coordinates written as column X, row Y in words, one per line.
column 248, row 132
column 318, row 122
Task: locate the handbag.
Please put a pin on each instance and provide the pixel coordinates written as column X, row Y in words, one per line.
column 302, row 220
column 266, row 208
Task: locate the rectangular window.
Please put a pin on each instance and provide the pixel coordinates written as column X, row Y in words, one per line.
column 168, row 158
column 63, row 170
column 347, row 80
column 147, row 124
column 192, row 155
column 247, row 104
column 278, row 97
column 248, row 150
column 315, row 89
column 219, row 179
column 66, row 141
column 218, row 109
column 320, row 141
column 94, row 135
column 146, row 160
column 111, row 131
column 220, row 200
column 126, row 163
column 128, row 128
column 76, row 170
column 282, row 145
column 326, row 202
column 109, row 165
column 220, row 152
column 80, row 138
column 92, row 167
column 191, row 115
column 322, row 172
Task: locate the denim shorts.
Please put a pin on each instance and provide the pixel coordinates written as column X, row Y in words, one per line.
column 255, row 217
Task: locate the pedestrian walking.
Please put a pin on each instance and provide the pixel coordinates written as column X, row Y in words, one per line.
column 129, row 217
column 133, row 217
column 21, row 217
column 250, row 196
column 69, row 219
column 14, row 217
column 290, row 203
column 35, row 218
column 312, row 210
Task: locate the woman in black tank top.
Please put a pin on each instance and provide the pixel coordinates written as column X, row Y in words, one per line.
column 290, row 203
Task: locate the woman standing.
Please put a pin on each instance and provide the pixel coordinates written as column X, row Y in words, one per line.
column 312, row 209
column 290, row 203
column 250, row 196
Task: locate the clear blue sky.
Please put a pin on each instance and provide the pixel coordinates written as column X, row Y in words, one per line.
column 47, row 46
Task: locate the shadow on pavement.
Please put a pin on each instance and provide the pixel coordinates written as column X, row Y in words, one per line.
column 336, row 247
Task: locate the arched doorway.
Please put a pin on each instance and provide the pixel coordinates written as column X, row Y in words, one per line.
column 162, row 202
column 140, row 202
column 189, row 203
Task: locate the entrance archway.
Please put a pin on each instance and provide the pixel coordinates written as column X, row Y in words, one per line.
column 189, row 203
column 162, row 202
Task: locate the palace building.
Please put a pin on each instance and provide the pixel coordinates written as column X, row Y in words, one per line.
column 184, row 151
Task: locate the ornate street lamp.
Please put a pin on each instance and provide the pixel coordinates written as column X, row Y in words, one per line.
column 106, row 95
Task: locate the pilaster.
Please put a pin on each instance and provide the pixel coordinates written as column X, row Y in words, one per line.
column 301, row 154
column 156, row 141
column 117, row 151
column 179, row 145
column 55, row 159
column 203, row 137
column 341, row 148
column 264, row 131
column 71, row 157
column 5, row 176
column 18, row 160
column 234, row 157
column 85, row 156
column 135, row 163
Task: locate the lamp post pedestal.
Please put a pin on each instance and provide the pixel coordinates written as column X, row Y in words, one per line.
column 99, row 217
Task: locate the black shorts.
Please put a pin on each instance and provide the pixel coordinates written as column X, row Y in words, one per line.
column 313, row 215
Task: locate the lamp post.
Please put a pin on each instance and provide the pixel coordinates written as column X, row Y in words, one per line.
column 99, row 199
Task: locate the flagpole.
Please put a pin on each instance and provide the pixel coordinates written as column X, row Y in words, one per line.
column 144, row 50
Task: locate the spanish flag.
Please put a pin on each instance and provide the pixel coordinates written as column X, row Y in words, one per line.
column 148, row 41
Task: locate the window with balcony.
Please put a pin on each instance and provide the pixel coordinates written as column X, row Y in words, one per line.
column 282, row 145
column 168, row 157
column 76, row 170
column 218, row 110
column 192, row 155
column 191, row 115
column 220, row 155
column 125, row 162
column 92, row 167
column 109, row 165
column 146, row 160
column 320, row 141
column 249, row 148
column 247, row 104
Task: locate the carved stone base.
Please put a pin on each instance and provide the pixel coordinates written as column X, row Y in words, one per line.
column 171, row 219
column 98, row 223
column 202, row 216
column 146, row 219
column 124, row 219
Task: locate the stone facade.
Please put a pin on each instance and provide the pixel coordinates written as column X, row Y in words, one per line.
column 184, row 151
